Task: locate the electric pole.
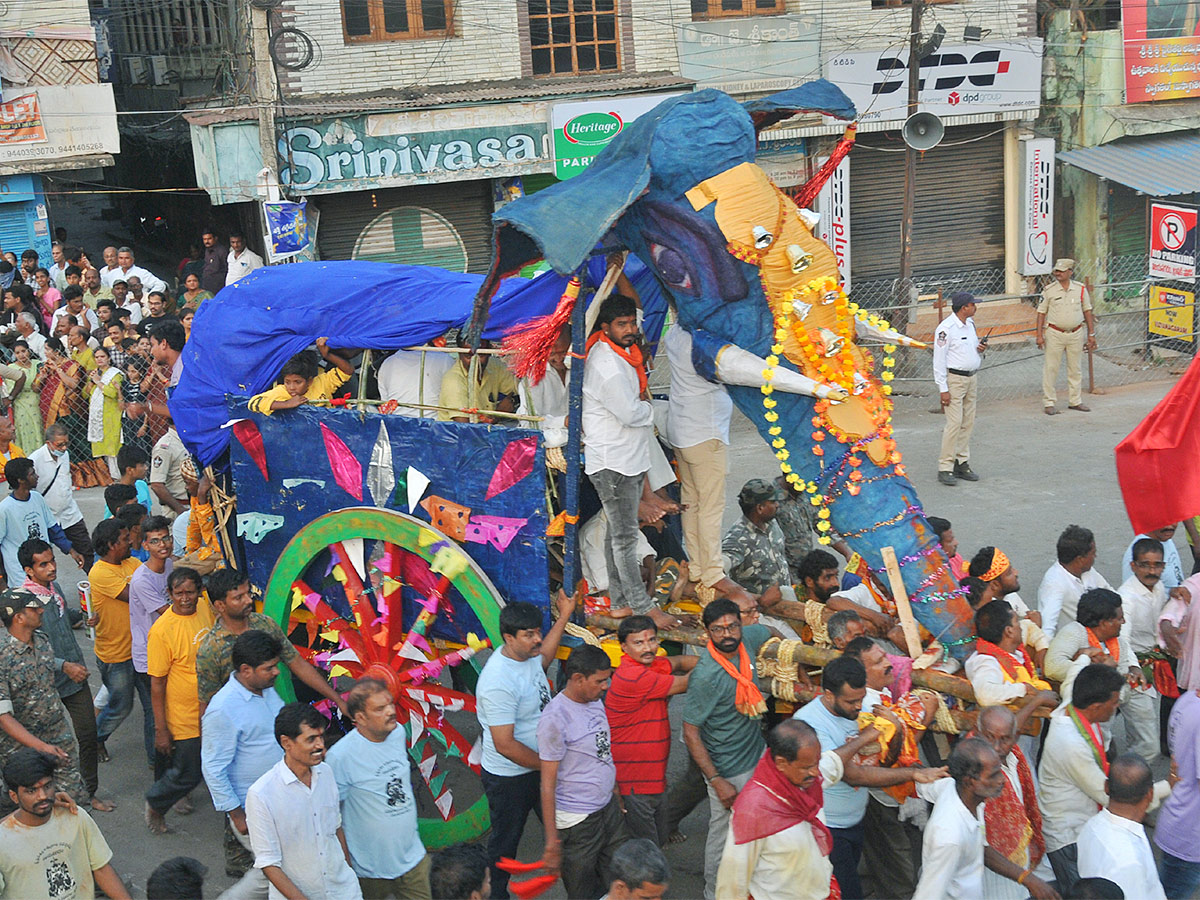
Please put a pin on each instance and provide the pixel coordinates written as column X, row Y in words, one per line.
column 905, row 294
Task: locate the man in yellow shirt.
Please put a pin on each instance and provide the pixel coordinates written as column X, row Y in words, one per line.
column 171, row 664
column 495, row 387
column 109, row 580
column 303, row 381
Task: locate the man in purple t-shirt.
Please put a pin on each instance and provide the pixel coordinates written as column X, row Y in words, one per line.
column 1177, row 831
column 147, row 601
column 581, row 811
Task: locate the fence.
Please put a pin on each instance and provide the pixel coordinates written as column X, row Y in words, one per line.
column 1012, row 367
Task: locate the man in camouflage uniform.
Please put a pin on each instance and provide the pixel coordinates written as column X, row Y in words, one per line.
column 28, row 697
column 229, row 593
column 754, row 548
column 794, row 515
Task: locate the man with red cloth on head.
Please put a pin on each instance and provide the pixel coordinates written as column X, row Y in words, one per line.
column 778, row 844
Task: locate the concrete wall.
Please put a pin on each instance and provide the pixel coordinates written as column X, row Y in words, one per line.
column 490, row 39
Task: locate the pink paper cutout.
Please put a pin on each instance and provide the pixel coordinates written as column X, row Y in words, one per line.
column 346, row 469
column 515, row 464
column 419, row 642
column 498, row 531
column 250, row 438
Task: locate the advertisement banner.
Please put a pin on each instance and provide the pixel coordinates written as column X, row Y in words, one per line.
column 584, row 128
column 21, row 121
column 1037, row 206
column 750, row 55
column 287, row 228
column 1162, row 49
column 1172, row 313
column 833, row 202
column 1172, row 241
column 76, row 120
column 958, row 80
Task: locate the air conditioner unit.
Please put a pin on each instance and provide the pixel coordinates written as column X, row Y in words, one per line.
column 158, row 70
column 134, row 69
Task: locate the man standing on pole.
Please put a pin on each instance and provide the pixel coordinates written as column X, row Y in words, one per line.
column 1064, row 310
column 957, row 354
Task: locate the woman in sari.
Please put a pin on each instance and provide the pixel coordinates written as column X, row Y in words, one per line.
column 60, row 378
column 27, row 418
column 103, row 390
column 194, row 295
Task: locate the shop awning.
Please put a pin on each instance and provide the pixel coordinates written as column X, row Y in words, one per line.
column 1159, row 166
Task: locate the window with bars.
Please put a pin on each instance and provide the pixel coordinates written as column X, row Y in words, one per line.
column 569, row 37
column 719, row 9
column 394, row 20
column 152, row 26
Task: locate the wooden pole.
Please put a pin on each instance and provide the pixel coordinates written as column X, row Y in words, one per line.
column 1087, row 286
column 909, row 624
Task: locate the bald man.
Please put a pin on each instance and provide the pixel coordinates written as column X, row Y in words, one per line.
column 1113, row 843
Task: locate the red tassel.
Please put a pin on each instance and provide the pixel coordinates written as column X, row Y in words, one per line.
column 534, row 887
column 808, row 192
column 516, row 867
column 531, row 342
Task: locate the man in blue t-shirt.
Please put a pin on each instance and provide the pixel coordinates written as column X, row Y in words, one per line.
column 833, row 715
column 510, row 696
column 24, row 515
column 379, row 811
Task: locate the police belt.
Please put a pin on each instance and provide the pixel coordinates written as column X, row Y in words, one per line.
column 963, row 372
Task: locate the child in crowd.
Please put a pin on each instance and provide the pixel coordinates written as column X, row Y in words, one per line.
column 303, row 381
column 135, row 425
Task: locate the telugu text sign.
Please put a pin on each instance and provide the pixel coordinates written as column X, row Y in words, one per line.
column 1162, row 49
column 1172, row 241
column 78, row 119
column 752, row 55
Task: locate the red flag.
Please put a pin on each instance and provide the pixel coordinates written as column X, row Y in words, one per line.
column 1156, row 463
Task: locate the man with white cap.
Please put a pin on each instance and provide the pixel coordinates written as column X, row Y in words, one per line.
column 957, row 354
column 1061, row 316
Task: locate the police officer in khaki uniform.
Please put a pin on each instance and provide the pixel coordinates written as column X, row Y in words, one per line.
column 1061, row 316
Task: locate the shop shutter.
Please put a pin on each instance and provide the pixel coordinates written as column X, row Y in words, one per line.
column 14, row 228
column 447, row 225
column 1126, row 221
column 959, row 221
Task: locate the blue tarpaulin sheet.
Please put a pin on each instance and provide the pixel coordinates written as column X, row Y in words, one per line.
column 243, row 336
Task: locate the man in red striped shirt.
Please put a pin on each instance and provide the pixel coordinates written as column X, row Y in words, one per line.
column 637, row 718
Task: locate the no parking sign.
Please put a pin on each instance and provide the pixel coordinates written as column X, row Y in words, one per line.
column 1172, row 241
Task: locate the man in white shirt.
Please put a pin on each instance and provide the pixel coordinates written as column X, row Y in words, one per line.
column 549, row 398
column 698, row 420
column 618, row 426
column 110, row 271
column 74, row 306
column 1173, row 573
column 241, row 260
column 1067, row 579
column 52, row 463
column 126, row 270
column 1072, row 772
column 26, row 325
column 1113, row 844
column 120, row 293
column 952, row 849
column 414, row 376
column 956, row 359
column 58, row 269
column 293, row 815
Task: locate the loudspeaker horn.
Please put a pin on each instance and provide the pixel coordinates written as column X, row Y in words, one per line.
column 923, row 131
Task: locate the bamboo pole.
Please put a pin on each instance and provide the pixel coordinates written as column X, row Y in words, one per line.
column 908, row 623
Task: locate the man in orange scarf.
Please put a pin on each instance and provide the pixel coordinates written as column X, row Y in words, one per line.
column 1015, row 845
column 721, row 720
column 618, row 426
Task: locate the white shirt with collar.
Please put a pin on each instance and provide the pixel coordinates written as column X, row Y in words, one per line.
column 1141, row 607
column 1059, row 593
column 1116, row 848
column 550, row 399
column 37, row 344
column 952, row 849
column 150, row 281
column 1064, row 661
column 699, row 410
column 987, row 680
column 1071, row 783
column 295, row 828
column 618, row 425
column 1173, row 574
column 89, row 319
column 135, row 309
column 54, row 484
column 955, row 346
column 240, row 266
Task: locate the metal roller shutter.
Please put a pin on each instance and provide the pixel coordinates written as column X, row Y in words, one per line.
column 447, row 225
column 959, row 221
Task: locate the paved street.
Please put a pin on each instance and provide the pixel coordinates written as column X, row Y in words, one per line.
column 1039, row 474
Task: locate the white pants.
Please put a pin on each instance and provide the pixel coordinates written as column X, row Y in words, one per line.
column 718, row 828
column 253, row 885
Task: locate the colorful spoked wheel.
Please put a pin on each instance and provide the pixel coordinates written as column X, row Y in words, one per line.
column 367, row 592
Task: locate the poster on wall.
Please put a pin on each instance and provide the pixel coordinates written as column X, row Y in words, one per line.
column 833, row 202
column 287, row 228
column 1037, row 206
column 1162, row 49
column 1172, row 241
column 581, row 129
column 1172, row 313
column 21, row 120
